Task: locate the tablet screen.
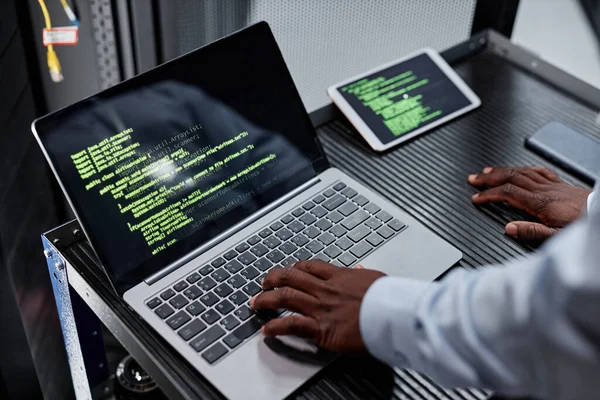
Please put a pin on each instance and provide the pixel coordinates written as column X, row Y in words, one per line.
column 398, row 100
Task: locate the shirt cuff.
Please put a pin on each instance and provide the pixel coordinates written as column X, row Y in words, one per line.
column 589, row 201
column 388, row 320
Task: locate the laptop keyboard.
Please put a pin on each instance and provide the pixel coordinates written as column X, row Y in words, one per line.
column 209, row 308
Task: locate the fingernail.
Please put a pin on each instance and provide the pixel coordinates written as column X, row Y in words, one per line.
column 262, row 329
column 472, row 177
column 475, row 196
column 512, row 230
column 252, row 301
column 358, row 266
column 487, row 170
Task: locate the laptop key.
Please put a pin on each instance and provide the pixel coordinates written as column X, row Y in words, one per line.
column 211, row 316
column 372, row 208
column 191, row 329
column 192, row 292
column 251, row 289
column 284, row 234
column 275, row 256
column 335, row 217
column 231, row 340
column 246, row 258
column 265, row 233
column 218, row 262
column 360, row 200
column 338, row 231
column 155, row 302
column 386, row 232
column 248, row 328
column 336, row 263
column 236, row 281
column 195, row 308
column 223, row 290
column 249, row 273
column 209, row 299
column 230, row 255
column 179, row 301
column 396, row 225
column 243, row 313
column 322, row 257
column 349, row 192
column 334, row 202
column 225, row 307
column 324, row 224
column 332, row 251
column 177, row 320
column 229, row 322
column 300, row 240
column 263, row 264
column 359, row 233
column 319, row 212
column 308, row 219
column 287, row 219
column 361, row 249
column 308, row 205
column 214, row 353
column 207, row 283
column 207, row 338
column 193, row 278
column 288, row 248
column 220, row 275
column 354, row 220
column 276, row 226
column 253, row 240
column 326, row 238
column 328, row 193
column 295, row 227
column 303, row 254
column 207, row 269
column 238, row 298
column 347, row 259
column 319, row 199
column 242, row 247
column 373, row 223
column 374, row 239
column 164, row 311
column 167, row 294
column 289, row 261
column 297, row 212
column 348, row 209
column 272, row 242
column 384, row 216
column 259, row 250
column 339, row 186
column 312, row 232
column 315, row 246
column 344, row 243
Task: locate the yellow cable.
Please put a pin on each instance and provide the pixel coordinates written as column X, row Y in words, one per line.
column 52, row 58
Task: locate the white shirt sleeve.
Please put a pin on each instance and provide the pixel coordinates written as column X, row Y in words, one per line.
column 531, row 328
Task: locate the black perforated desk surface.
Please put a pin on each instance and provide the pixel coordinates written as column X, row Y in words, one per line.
column 427, row 178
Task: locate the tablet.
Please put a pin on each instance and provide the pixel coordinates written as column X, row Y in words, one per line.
column 405, row 98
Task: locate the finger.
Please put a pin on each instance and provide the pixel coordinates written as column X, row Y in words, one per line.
column 529, row 231
column 317, row 268
column 288, row 298
column 502, row 175
column 292, row 277
column 511, row 194
column 545, row 172
column 358, row 266
column 297, row 325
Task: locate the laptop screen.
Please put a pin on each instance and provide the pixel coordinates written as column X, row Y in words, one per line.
column 160, row 164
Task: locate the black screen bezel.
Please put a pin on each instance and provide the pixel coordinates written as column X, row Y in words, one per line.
column 161, row 260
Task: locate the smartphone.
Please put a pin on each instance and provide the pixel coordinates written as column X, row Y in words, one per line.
column 568, row 149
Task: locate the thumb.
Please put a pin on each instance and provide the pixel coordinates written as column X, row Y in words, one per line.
column 530, row 231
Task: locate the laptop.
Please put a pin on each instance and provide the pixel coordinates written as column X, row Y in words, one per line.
column 192, row 180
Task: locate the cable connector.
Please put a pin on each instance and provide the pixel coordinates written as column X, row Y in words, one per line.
column 54, row 66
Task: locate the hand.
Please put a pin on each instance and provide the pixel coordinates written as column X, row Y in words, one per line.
column 328, row 297
column 538, row 192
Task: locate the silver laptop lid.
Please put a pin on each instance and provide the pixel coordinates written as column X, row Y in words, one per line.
column 158, row 165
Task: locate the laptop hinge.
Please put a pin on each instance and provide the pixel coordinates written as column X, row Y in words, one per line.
column 230, row 232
